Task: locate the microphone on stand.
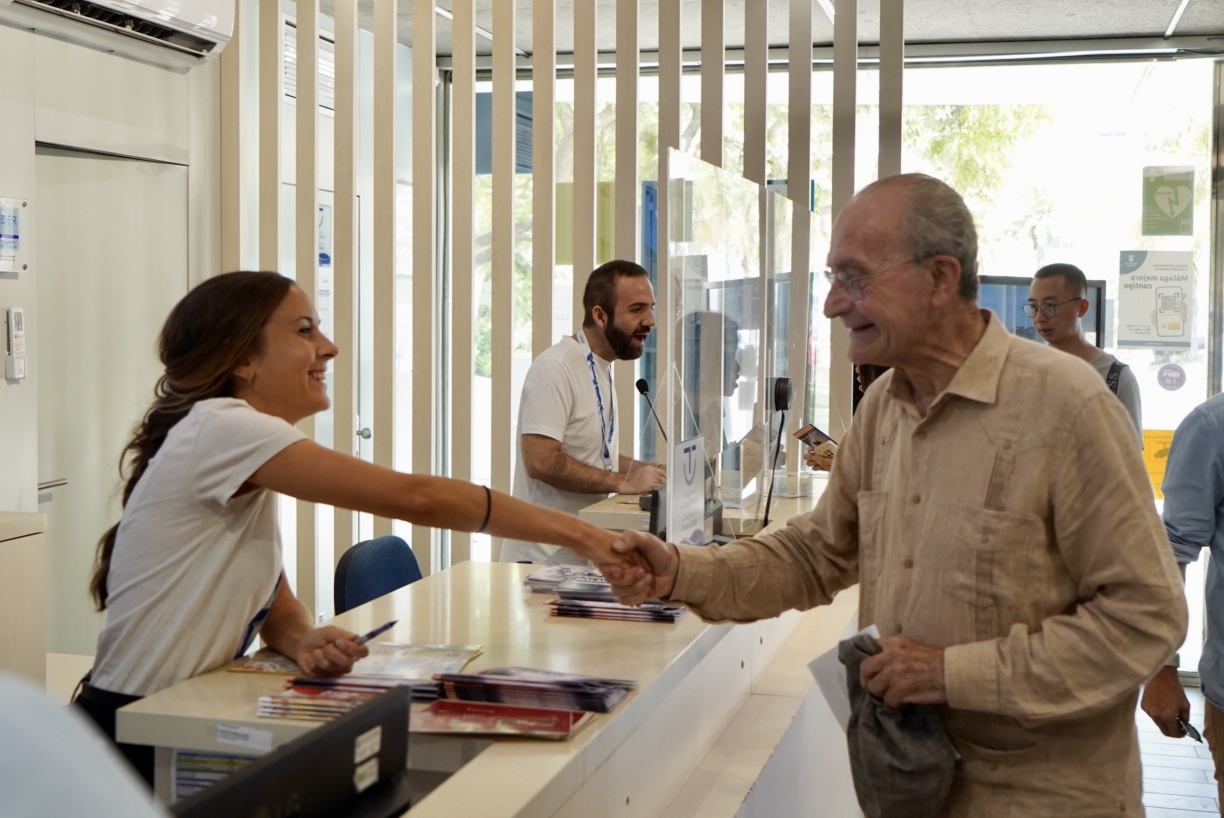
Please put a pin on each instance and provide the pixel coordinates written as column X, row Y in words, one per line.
column 644, row 389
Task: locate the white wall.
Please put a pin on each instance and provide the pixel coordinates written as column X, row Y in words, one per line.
column 18, row 400
column 67, row 95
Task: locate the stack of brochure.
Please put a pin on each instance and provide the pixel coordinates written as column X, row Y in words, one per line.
column 546, row 579
column 527, row 687
column 314, row 702
column 590, row 585
column 486, row 719
column 651, row 611
column 388, row 665
column 387, row 660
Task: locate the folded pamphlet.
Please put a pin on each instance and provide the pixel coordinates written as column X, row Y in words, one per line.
column 529, row 687
column 546, row 578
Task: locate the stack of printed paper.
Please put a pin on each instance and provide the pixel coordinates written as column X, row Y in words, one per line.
column 388, row 665
column 528, row 687
column 593, row 609
column 590, row 585
column 487, row 719
column 546, row 579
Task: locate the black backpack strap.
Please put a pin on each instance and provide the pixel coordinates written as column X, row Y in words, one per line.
column 1111, row 378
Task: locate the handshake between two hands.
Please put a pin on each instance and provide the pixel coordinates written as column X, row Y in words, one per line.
column 638, row 566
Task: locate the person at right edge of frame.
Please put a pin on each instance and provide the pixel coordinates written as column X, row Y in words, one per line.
column 989, row 504
column 1193, row 490
column 1057, row 303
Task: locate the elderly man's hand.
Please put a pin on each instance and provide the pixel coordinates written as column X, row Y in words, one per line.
column 905, row 672
column 1165, row 702
column 654, row 575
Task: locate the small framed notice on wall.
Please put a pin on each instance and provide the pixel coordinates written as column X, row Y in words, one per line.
column 14, row 241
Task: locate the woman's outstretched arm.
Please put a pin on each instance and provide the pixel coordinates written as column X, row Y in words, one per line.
column 315, row 473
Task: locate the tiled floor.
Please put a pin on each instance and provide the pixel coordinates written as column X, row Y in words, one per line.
column 1177, row 773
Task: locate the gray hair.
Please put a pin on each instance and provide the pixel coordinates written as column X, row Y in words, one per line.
column 937, row 222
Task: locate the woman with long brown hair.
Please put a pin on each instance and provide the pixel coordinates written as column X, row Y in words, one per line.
column 192, row 571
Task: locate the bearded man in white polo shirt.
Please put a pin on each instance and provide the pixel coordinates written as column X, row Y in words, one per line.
column 568, row 453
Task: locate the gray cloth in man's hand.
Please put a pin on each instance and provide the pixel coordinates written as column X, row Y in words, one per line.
column 902, row 760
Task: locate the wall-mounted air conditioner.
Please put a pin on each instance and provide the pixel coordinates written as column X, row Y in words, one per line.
column 176, row 34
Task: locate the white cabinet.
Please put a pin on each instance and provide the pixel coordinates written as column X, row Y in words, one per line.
column 23, row 595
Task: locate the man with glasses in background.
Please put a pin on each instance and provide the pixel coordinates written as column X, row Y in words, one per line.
column 1058, row 300
column 1006, row 547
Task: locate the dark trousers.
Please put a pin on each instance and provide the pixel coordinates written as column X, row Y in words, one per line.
column 100, row 706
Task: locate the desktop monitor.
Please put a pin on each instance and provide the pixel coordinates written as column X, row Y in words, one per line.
column 1007, row 295
column 354, row 765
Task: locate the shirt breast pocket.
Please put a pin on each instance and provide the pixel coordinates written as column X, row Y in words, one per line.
column 993, row 560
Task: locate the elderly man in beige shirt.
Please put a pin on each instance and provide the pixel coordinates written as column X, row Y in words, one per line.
column 990, row 503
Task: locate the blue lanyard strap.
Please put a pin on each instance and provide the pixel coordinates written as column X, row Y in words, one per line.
column 606, row 429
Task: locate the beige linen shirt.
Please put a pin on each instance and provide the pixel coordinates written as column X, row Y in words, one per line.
column 1014, row 526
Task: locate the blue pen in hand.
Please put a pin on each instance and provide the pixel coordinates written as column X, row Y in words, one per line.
column 366, row 637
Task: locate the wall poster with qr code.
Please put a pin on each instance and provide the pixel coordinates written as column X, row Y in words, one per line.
column 1155, row 298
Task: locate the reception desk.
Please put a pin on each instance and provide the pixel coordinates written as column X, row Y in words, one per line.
column 725, row 721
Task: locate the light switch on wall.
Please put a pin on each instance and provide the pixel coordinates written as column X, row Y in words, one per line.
column 15, row 347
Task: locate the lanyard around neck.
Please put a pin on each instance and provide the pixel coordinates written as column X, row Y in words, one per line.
column 607, row 430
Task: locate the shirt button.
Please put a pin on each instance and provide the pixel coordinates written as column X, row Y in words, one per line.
column 916, row 499
column 1006, row 445
column 985, row 539
column 897, row 628
column 908, row 563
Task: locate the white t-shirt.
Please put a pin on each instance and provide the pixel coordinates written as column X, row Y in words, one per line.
column 1128, row 390
column 195, row 568
column 560, row 401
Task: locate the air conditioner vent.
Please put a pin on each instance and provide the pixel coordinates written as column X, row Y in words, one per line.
column 102, row 17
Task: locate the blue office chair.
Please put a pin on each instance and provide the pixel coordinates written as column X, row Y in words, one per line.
column 372, row 568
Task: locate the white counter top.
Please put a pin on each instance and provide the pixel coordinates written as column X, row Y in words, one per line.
column 14, row 524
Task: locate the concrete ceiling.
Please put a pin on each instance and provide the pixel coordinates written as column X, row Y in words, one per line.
column 926, row 21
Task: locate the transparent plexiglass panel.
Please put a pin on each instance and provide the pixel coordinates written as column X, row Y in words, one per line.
column 718, row 376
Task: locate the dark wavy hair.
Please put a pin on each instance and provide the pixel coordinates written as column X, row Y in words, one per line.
column 216, row 327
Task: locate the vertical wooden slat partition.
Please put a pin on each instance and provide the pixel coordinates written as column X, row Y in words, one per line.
column 892, row 58
column 503, row 154
column 344, row 256
column 463, row 235
column 845, row 67
column 306, row 250
column 424, row 260
column 626, row 197
column 271, row 49
column 671, row 16
column 756, row 72
column 585, row 107
column 756, row 56
column 798, row 186
column 230, row 222
column 386, row 14
column 543, row 172
column 712, row 51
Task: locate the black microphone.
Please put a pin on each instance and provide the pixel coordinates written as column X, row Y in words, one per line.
column 644, row 389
